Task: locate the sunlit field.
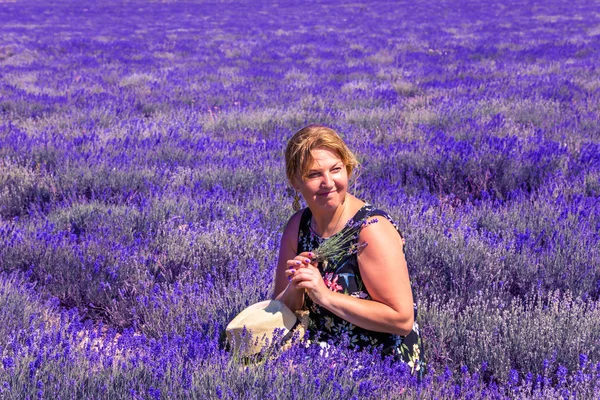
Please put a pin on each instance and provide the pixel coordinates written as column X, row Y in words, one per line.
column 143, row 190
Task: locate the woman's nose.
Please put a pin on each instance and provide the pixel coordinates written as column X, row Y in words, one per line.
column 327, row 181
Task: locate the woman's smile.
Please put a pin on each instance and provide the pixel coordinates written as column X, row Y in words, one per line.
column 325, row 194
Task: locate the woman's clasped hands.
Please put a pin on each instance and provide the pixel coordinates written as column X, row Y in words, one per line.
column 303, row 274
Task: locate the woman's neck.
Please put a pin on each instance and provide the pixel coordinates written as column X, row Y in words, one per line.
column 327, row 224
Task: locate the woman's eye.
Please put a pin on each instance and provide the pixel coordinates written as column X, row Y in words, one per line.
column 337, row 169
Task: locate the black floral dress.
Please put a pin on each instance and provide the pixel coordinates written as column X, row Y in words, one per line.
column 344, row 276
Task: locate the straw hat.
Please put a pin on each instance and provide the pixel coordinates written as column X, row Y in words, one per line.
column 260, row 321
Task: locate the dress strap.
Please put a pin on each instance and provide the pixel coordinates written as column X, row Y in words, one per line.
column 373, row 212
column 305, row 219
column 302, row 229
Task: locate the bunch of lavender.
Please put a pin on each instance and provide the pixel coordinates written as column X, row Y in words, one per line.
column 343, row 243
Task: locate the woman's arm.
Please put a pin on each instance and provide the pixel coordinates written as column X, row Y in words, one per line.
column 292, row 297
column 384, row 274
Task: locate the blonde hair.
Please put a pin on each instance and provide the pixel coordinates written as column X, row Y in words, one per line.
column 298, row 153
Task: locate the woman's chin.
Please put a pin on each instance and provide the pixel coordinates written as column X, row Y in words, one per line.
column 327, row 203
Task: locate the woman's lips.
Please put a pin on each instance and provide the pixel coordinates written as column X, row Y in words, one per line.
column 325, row 194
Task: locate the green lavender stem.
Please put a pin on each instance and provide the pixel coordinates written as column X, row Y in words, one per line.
column 342, row 244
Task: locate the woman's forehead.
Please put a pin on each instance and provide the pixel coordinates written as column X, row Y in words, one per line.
column 324, row 157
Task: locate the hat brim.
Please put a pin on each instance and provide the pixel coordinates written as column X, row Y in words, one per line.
column 258, row 325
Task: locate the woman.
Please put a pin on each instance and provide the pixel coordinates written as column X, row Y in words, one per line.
column 365, row 296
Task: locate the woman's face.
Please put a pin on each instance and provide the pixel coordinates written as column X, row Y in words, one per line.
column 326, row 183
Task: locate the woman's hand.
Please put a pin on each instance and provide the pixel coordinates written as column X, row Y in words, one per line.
column 302, row 260
column 303, row 274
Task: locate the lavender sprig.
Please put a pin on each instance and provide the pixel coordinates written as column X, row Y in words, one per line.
column 343, row 243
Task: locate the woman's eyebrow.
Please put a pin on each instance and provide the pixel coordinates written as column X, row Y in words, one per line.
column 317, row 170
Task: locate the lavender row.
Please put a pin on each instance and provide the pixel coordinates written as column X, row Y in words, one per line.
column 50, row 354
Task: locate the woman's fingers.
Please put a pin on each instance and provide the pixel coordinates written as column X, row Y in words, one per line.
column 296, row 268
column 310, row 279
column 306, row 274
column 289, row 273
column 301, row 260
column 307, row 254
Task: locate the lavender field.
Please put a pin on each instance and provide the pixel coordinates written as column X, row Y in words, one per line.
column 143, row 191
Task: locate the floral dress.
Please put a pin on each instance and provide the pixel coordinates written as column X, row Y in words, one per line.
column 344, row 276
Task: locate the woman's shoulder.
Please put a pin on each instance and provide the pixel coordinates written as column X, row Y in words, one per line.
column 296, row 221
column 293, row 223
column 291, row 230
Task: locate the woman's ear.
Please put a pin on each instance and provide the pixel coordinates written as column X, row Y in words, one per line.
column 296, row 183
